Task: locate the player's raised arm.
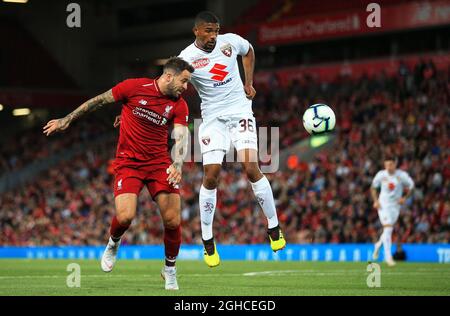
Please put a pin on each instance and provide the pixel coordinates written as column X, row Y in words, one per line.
column 93, row 104
column 248, row 61
column 181, row 134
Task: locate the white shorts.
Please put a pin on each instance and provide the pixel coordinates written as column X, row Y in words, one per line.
column 217, row 135
column 388, row 215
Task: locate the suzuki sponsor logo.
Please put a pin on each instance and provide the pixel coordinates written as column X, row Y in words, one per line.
column 218, row 84
column 218, row 71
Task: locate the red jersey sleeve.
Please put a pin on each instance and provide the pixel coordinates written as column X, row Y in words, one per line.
column 181, row 113
column 123, row 90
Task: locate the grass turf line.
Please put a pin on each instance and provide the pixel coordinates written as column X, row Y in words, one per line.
column 231, row 278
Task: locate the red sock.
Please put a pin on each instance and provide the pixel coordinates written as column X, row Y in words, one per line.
column 172, row 242
column 117, row 229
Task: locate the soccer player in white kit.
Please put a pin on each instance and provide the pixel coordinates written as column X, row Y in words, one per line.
column 226, row 109
column 393, row 183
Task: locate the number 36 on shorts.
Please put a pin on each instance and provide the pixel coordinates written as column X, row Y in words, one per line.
column 218, row 134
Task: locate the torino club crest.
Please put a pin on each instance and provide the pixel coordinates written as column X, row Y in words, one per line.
column 208, row 207
column 226, row 50
column 206, row 140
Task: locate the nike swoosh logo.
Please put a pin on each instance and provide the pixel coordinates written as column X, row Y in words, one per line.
column 317, row 125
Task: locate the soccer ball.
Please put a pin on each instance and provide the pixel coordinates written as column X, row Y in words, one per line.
column 319, row 118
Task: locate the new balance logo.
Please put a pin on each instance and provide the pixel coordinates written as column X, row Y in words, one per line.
column 218, row 71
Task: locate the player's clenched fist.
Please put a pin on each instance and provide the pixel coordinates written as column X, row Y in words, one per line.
column 117, row 121
column 54, row 126
column 376, row 204
column 174, row 172
column 250, row 92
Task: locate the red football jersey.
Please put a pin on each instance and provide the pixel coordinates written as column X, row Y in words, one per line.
column 146, row 114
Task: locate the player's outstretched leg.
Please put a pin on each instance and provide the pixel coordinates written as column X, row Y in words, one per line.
column 125, row 211
column 170, row 208
column 387, row 242
column 376, row 251
column 172, row 242
column 378, row 244
column 110, row 253
column 207, row 203
column 264, row 195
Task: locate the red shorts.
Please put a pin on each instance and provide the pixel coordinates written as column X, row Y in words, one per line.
column 132, row 180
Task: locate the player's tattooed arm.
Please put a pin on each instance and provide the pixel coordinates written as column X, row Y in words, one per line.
column 248, row 61
column 117, row 121
column 91, row 105
column 181, row 135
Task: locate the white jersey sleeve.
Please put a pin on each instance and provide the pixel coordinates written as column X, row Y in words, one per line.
column 241, row 44
column 376, row 182
column 406, row 180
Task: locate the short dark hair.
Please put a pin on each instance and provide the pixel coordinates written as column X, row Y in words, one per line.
column 390, row 157
column 206, row 17
column 178, row 65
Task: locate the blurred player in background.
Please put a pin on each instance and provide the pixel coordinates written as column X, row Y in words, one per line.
column 226, row 107
column 142, row 157
column 393, row 183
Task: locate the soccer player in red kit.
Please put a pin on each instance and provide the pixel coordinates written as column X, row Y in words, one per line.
column 142, row 156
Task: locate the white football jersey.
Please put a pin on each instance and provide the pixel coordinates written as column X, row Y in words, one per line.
column 392, row 186
column 216, row 77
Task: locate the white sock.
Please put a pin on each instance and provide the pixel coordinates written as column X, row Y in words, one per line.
column 169, row 269
column 113, row 243
column 207, row 202
column 379, row 242
column 387, row 242
column 264, row 196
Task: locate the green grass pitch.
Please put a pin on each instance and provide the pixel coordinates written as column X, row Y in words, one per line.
column 247, row 278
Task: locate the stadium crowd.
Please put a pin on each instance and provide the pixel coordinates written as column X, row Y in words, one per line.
column 31, row 145
column 326, row 200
